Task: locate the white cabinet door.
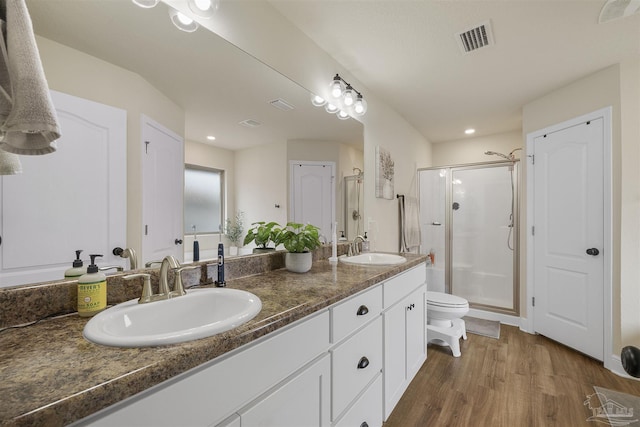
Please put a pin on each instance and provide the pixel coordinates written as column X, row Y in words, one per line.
column 303, row 400
column 394, row 356
column 416, row 322
column 75, row 198
column 404, row 345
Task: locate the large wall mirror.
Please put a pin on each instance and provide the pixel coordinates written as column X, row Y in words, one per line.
column 196, row 84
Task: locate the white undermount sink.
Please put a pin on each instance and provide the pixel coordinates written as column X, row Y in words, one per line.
column 198, row 314
column 373, row 258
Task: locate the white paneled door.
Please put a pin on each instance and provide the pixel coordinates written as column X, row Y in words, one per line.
column 568, row 236
column 313, row 195
column 162, row 192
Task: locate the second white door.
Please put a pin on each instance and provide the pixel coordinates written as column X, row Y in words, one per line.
column 313, row 194
column 569, row 236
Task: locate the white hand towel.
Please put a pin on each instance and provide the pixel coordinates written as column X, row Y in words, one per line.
column 412, row 222
column 32, row 125
column 9, row 162
column 5, row 83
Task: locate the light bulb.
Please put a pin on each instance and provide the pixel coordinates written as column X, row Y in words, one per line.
column 318, row 101
column 182, row 21
column 342, row 115
column 360, row 106
column 336, row 87
column 330, row 108
column 347, row 98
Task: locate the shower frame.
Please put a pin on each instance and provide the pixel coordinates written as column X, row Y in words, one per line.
column 356, row 180
column 448, row 270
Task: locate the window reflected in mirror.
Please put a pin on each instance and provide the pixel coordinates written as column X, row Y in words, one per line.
column 203, row 199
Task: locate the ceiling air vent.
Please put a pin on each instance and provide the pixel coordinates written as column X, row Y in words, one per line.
column 281, row 104
column 475, row 38
column 250, row 123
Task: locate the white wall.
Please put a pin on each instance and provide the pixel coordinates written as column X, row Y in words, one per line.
column 76, row 73
column 261, row 183
column 471, row 149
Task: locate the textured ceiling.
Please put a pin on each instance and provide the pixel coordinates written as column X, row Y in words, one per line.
column 405, row 52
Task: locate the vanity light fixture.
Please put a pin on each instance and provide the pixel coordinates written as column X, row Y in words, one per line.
column 346, row 101
column 147, row 4
column 182, row 21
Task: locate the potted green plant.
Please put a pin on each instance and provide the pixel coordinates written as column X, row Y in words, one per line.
column 262, row 234
column 299, row 240
column 233, row 230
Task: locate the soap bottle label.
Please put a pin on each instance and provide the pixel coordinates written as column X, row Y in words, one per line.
column 92, row 298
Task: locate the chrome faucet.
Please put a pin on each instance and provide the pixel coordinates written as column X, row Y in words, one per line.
column 354, row 244
column 168, row 263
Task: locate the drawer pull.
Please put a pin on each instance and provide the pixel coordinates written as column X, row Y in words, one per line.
column 364, row 424
column 363, row 363
column 362, row 310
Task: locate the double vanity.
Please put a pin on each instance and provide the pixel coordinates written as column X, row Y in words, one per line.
column 336, row 346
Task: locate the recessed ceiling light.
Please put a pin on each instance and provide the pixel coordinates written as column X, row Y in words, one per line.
column 470, row 131
column 211, row 138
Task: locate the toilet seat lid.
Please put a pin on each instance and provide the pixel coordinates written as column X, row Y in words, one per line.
column 446, row 300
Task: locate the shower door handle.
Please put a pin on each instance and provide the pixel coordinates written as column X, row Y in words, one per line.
column 435, row 223
column 593, row 251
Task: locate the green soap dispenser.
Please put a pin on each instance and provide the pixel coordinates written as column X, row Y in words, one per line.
column 77, row 270
column 92, row 290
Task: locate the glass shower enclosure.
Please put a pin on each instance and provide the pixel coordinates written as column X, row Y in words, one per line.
column 469, row 219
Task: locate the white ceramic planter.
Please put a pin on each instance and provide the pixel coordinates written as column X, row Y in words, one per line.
column 298, row 262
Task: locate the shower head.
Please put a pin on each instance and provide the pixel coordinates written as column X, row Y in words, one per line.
column 494, row 153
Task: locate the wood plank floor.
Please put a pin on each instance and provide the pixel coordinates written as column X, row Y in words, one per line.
column 518, row 380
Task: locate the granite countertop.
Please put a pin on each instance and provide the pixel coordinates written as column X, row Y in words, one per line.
column 51, row 376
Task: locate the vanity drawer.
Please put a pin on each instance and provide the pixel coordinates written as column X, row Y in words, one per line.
column 354, row 364
column 401, row 285
column 350, row 315
column 367, row 411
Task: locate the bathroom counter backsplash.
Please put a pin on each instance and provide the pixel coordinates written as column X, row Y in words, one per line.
column 51, row 376
column 28, row 303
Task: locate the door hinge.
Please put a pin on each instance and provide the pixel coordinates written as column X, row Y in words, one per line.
column 533, row 301
column 146, row 147
column 533, row 158
column 533, row 230
column 146, row 230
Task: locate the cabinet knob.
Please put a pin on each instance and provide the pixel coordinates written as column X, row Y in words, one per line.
column 178, row 241
column 364, row 424
column 362, row 310
column 363, row 363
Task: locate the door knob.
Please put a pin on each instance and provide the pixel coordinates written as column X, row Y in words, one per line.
column 178, row 241
column 593, row 251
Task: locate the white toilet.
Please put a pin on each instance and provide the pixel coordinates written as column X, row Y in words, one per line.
column 444, row 320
